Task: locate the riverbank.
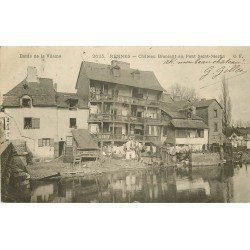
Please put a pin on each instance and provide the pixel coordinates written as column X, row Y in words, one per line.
column 56, row 167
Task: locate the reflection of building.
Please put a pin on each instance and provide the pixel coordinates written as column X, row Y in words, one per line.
column 123, row 101
column 193, row 185
column 205, row 185
column 42, row 193
column 41, row 116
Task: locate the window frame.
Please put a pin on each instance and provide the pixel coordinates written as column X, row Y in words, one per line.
column 34, row 124
column 45, row 142
column 24, row 123
column 215, row 113
column 72, row 126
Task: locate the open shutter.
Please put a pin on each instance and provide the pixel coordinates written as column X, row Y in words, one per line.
column 40, row 142
column 202, row 133
column 35, row 122
column 51, row 142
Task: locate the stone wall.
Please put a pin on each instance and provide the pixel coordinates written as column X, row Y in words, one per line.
column 205, row 159
column 14, row 177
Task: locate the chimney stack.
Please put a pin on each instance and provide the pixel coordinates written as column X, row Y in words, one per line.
column 31, row 74
column 55, row 86
column 122, row 65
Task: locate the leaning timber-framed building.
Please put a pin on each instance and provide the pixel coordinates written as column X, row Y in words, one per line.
column 123, row 102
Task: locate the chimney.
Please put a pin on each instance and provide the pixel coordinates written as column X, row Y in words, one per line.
column 55, row 86
column 31, row 74
column 122, row 65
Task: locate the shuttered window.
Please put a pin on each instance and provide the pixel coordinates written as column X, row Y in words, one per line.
column 40, row 142
column 46, row 142
column 52, row 142
column 31, row 123
column 35, row 122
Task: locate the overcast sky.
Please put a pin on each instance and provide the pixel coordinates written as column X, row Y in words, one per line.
column 64, row 70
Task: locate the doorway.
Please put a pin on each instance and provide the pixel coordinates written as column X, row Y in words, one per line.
column 61, row 147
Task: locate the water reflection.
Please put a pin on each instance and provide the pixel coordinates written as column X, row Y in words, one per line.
column 204, row 184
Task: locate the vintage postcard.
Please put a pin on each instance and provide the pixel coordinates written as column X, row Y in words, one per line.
column 125, row 124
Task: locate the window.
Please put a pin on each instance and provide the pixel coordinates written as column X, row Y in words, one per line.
column 72, row 123
column 73, row 104
column 46, row 142
column 153, row 130
column 189, row 114
column 215, row 127
column 26, row 102
column 27, row 123
column 215, row 113
column 165, row 131
column 31, row 123
column 181, row 133
column 200, row 133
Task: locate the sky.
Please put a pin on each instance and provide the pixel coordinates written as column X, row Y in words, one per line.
column 201, row 68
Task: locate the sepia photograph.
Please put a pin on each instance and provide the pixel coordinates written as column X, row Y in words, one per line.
column 125, row 124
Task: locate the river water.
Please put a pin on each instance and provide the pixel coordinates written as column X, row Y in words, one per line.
column 202, row 184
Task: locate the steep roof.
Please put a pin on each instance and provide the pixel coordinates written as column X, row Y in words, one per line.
column 62, row 100
column 186, row 123
column 173, row 111
column 103, row 72
column 42, row 93
column 205, row 103
column 243, row 131
column 84, row 139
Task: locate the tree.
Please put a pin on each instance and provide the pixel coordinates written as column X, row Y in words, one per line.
column 183, row 93
column 240, row 123
column 226, row 104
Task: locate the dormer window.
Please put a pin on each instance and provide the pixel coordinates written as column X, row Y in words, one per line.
column 116, row 71
column 136, row 75
column 73, row 104
column 26, row 102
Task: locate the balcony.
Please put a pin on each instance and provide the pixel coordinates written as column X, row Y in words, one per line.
column 152, row 138
column 109, row 136
column 123, row 99
column 114, row 118
column 154, row 121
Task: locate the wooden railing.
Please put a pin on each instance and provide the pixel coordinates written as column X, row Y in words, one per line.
column 109, row 136
column 132, row 119
column 123, row 99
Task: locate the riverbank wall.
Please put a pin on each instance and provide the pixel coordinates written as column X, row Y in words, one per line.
column 14, row 174
column 205, row 159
